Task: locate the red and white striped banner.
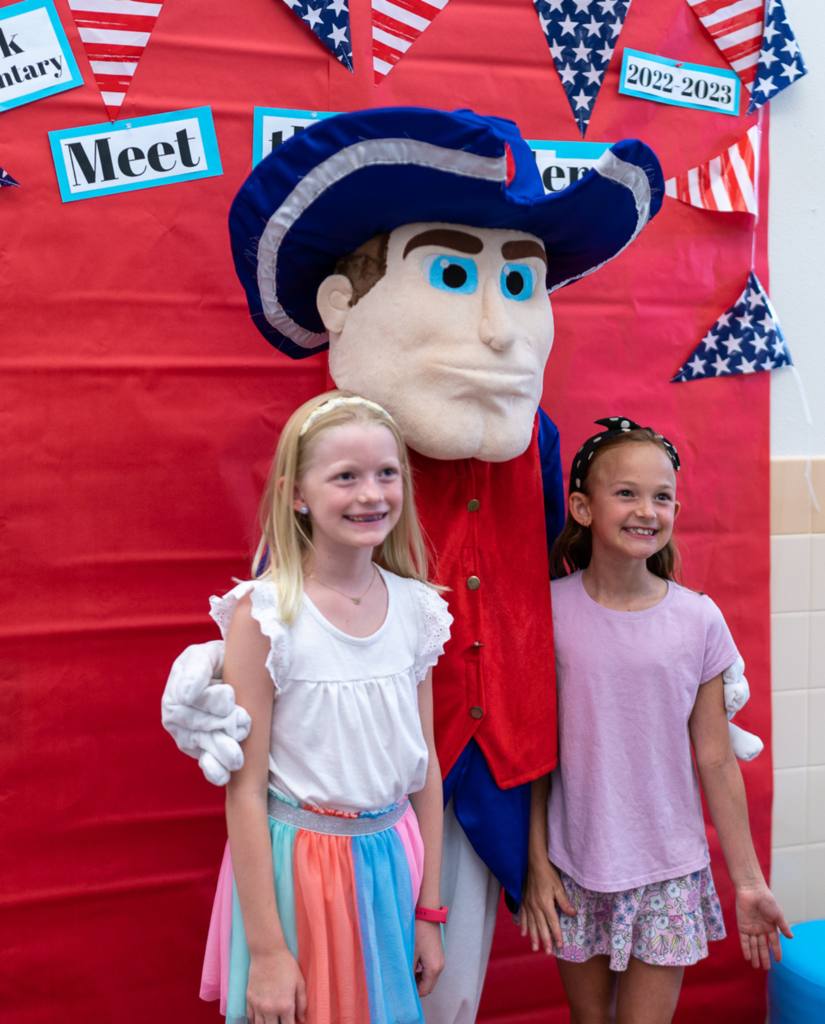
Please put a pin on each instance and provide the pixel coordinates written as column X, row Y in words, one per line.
column 736, row 27
column 115, row 34
column 396, row 24
column 726, row 183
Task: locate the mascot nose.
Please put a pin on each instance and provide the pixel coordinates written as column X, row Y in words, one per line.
column 496, row 329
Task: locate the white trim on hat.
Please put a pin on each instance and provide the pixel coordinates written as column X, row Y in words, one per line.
column 631, row 177
column 368, row 153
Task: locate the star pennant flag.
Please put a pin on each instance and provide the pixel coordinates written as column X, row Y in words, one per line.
column 395, row 27
column 726, row 183
column 6, row 180
column 329, row 20
column 114, row 34
column 745, row 339
column 736, row 28
column 780, row 62
column 581, row 35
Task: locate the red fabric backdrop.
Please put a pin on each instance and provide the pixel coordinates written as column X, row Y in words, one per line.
column 140, row 409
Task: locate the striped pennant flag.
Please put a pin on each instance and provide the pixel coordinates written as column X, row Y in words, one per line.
column 726, row 183
column 736, row 28
column 115, row 34
column 395, row 27
column 7, row 181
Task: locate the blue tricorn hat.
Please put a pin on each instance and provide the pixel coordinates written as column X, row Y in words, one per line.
column 345, row 179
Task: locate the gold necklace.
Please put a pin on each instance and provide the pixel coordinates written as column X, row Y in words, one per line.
column 355, row 600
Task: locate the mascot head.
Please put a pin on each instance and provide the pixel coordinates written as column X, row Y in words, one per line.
column 419, row 246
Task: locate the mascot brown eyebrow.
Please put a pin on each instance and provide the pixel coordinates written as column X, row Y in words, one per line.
column 419, row 246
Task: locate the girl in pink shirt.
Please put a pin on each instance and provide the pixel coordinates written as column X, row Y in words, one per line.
column 617, row 838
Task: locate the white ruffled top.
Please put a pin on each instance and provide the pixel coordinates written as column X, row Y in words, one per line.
column 346, row 733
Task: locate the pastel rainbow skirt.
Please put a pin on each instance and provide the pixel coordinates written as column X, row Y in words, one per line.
column 346, row 888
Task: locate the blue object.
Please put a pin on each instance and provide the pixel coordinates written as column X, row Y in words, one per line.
column 344, row 179
column 796, row 985
column 452, row 273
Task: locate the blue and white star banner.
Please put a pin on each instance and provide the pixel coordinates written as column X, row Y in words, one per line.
column 745, row 339
column 581, row 35
column 780, row 62
column 329, row 20
column 6, row 180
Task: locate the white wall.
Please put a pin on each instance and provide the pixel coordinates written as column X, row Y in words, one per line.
column 796, row 236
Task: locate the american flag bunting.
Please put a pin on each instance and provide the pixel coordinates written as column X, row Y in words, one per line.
column 114, row 34
column 726, row 183
column 6, row 180
column 329, row 20
column 780, row 62
column 395, row 27
column 736, row 28
column 746, row 338
column 581, row 35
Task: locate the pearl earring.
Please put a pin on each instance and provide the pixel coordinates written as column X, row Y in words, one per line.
column 304, row 510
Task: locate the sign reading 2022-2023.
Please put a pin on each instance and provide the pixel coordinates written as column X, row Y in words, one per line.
column 678, row 83
column 100, row 159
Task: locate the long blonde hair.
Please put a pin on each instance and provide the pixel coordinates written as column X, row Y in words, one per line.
column 286, row 535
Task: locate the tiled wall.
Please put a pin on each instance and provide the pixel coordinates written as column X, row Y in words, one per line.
column 798, row 682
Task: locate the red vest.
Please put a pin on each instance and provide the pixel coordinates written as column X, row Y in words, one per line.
column 497, row 679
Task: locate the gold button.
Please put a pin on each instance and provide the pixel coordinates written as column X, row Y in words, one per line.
column 473, row 582
column 476, row 712
column 474, row 505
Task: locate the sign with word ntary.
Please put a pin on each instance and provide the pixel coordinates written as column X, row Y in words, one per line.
column 35, row 57
column 678, row 83
column 274, row 125
column 147, row 151
column 562, row 163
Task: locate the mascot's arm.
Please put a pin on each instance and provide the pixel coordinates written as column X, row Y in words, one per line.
column 198, row 710
column 745, row 745
column 552, row 480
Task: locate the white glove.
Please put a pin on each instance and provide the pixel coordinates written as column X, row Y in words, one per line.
column 198, row 710
column 737, row 691
column 745, row 745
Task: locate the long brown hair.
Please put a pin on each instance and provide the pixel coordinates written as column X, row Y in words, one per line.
column 573, row 548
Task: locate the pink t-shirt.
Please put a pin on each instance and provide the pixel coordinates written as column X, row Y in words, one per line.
column 624, row 807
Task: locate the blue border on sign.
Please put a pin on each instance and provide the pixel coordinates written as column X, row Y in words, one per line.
column 668, row 62
column 75, row 78
column 208, row 137
column 258, row 124
column 571, row 150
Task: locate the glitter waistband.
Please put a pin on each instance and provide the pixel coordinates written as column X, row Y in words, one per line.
column 335, row 824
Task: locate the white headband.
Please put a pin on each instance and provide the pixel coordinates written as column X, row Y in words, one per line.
column 338, row 403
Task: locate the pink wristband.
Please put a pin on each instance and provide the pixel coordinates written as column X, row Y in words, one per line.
column 437, row 916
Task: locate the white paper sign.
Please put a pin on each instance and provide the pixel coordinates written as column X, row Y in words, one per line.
column 678, row 83
column 274, row 125
column 147, row 151
column 35, row 57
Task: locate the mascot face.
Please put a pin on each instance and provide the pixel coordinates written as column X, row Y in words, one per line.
column 452, row 340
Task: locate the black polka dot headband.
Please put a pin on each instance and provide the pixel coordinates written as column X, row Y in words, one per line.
column 615, row 425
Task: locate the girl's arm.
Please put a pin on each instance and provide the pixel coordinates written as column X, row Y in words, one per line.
column 543, row 887
column 276, row 988
column 428, row 804
column 759, row 917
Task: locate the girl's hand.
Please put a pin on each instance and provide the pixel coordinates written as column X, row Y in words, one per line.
column 428, row 955
column 760, row 919
column 276, row 991
column 543, row 889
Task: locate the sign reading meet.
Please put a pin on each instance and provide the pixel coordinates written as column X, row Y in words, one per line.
column 35, row 57
column 142, row 153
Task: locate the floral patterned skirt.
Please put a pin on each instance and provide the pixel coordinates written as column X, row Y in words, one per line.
column 666, row 923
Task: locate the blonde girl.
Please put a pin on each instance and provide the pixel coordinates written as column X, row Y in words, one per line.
column 330, row 648
column 619, row 847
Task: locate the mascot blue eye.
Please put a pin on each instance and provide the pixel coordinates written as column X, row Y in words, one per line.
column 518, row 281
column 451, row 273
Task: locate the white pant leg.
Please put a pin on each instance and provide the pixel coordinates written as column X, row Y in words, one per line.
column 472, row 893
